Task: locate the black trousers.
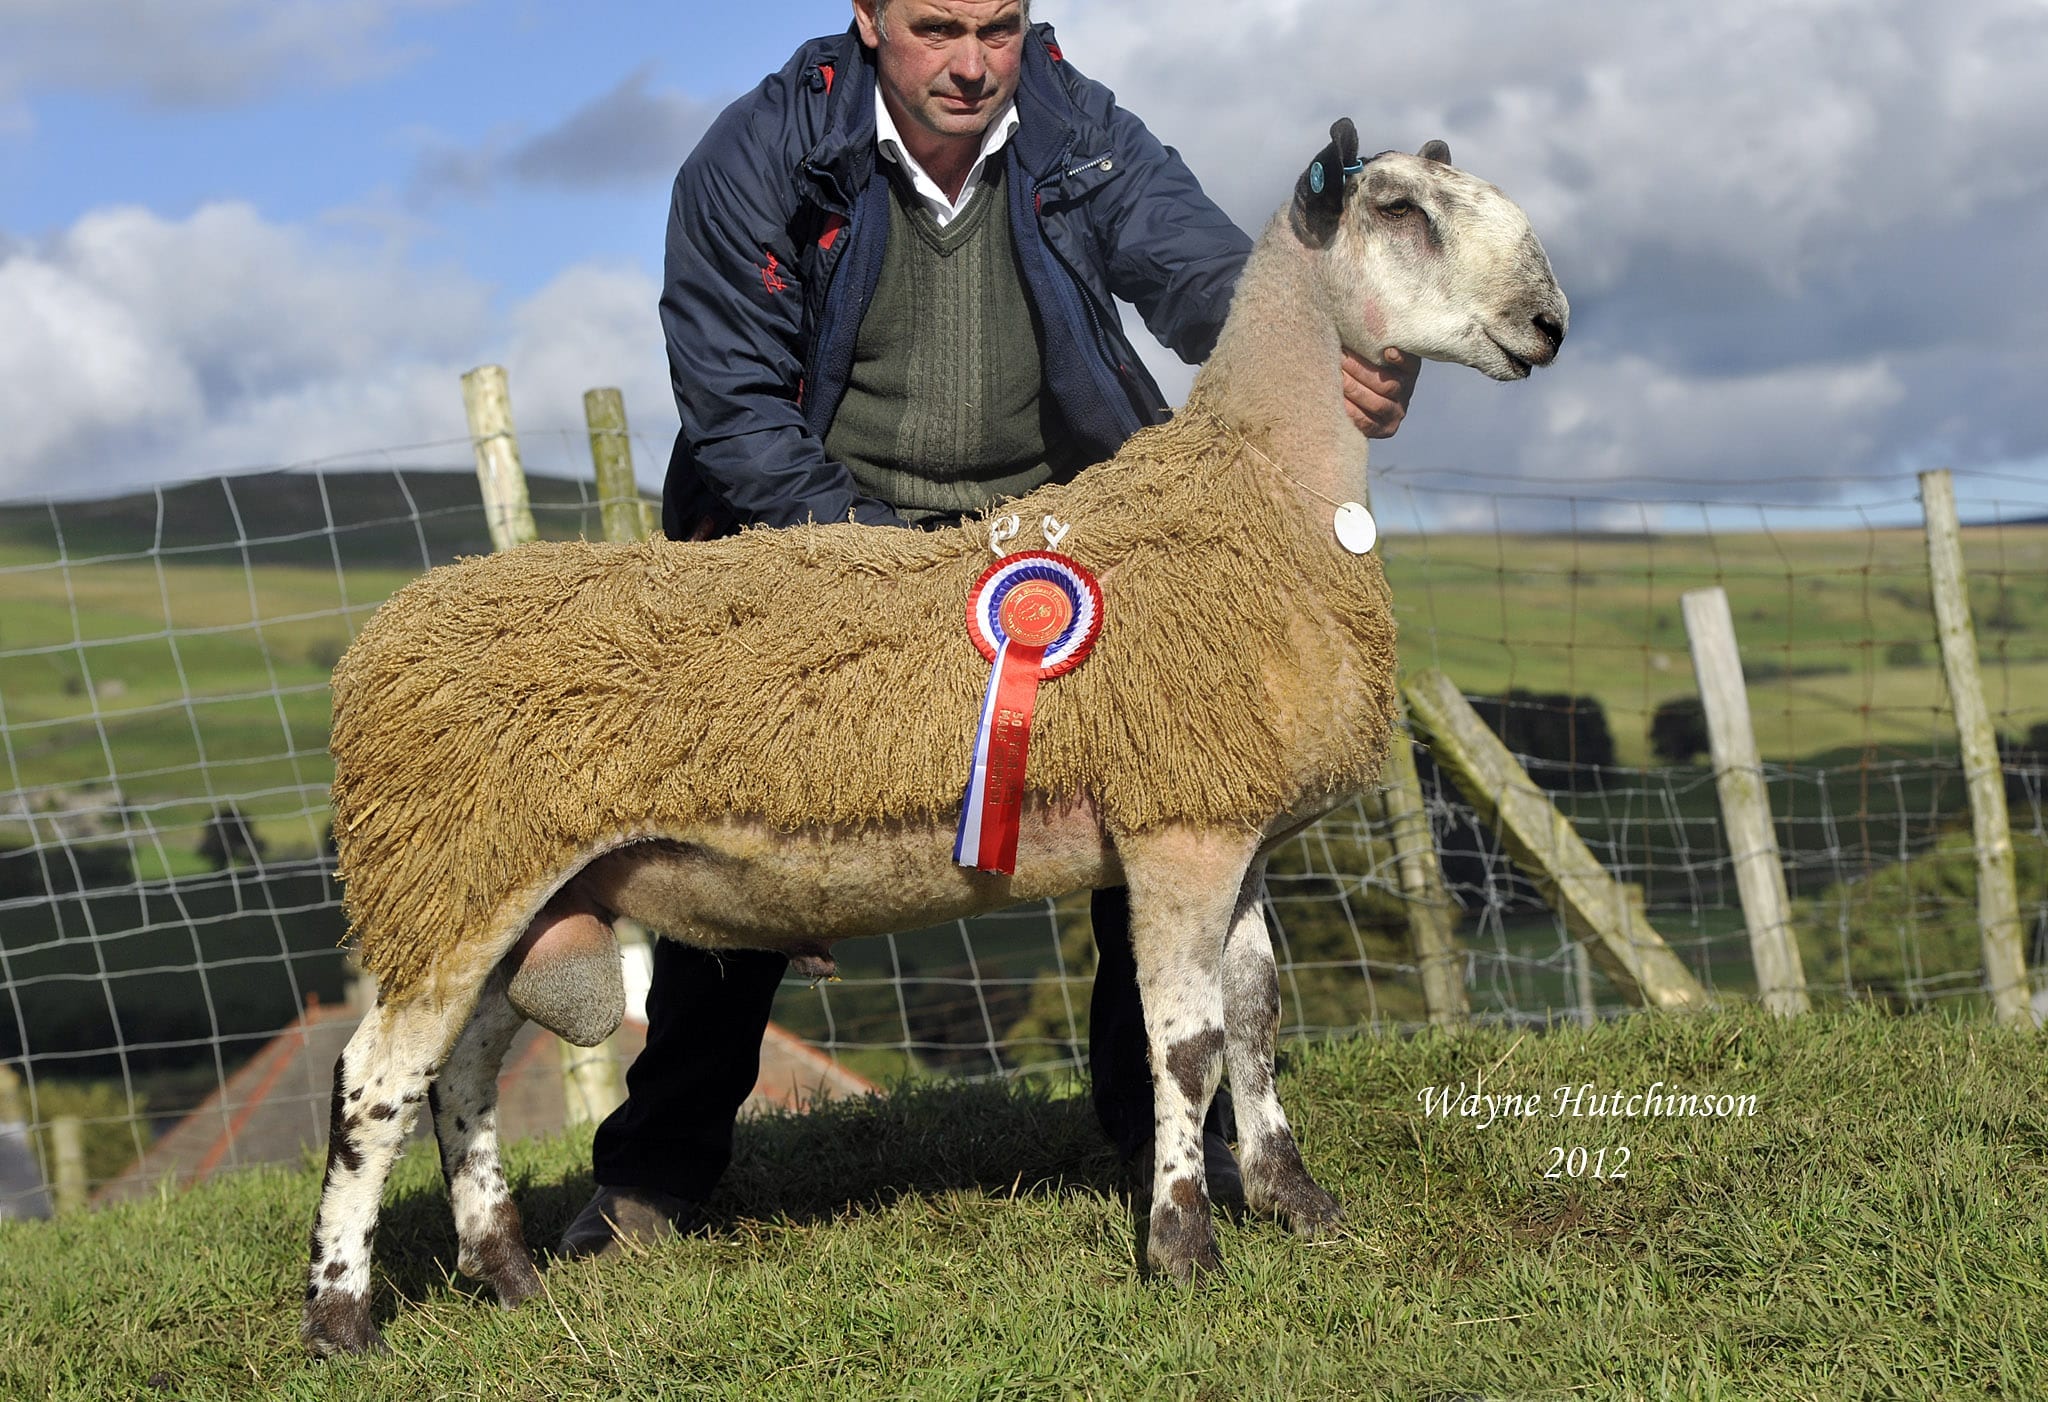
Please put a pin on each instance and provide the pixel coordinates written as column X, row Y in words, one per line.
column 705, row 1016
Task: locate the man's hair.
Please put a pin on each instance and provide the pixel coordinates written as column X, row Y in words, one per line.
column 882, row 8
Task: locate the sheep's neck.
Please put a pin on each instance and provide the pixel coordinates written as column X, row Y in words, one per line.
column 1277, row 372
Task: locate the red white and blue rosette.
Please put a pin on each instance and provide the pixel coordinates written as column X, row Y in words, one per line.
column 1033, row 615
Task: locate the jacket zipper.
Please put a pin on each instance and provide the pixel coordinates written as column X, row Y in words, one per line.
column 1102, row 162
column 832, row 312
column 1117, row 397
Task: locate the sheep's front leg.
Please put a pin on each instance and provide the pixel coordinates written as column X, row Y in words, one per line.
column 380, row 1081
column 1275, row 1182
column 1184, row 886
column 465, row 1106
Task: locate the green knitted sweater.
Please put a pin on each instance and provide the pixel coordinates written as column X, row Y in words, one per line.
column 943, row 411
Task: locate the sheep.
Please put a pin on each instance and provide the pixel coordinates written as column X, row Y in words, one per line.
column 761, row 742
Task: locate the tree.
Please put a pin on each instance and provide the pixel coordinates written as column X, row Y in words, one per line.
column 40, row 872
column 1678, row 730
column 230, row 839
column 1563, row 740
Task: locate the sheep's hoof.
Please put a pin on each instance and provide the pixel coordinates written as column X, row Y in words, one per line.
column 514, row 1283
column 1186, row 1268
column 1315, row 1214
column 1278, row 1186
column 1181, row 1242
column 510, row 1276
column 1302, row 1205
column 338, row 1325
column 501, row 1260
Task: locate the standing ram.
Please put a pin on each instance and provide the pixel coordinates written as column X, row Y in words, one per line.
column 761, row 742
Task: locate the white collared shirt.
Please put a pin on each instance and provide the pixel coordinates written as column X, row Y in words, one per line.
column 890, row 142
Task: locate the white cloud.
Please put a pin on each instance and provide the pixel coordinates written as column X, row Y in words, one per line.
column 1759, row 132
column 197, row 53
column 1801, row 240
column 1802, row 243
column 143, row 349
column 75, row 357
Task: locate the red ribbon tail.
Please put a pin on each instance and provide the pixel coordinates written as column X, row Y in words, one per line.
column 1009, row 744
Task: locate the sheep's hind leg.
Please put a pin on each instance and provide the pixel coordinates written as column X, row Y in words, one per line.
column 1184, row 887
column 380, row 1079
column 1275, row 1181
column 465, row 1106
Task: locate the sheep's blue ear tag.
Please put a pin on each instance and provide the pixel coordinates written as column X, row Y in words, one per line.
column 1315, row 178
column 1356, row 530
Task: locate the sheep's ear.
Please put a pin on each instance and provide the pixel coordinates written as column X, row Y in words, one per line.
column 1319, row 194
column 1438, row 151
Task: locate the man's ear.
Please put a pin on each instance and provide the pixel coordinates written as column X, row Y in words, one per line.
column 867, row 21
column 1319, row 194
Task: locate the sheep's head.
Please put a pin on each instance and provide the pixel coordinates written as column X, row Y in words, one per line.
column 1423, row 256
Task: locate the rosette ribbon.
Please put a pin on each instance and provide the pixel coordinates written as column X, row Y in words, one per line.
column 1034, row 616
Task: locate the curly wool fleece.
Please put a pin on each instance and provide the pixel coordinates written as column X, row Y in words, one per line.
column 500, row 718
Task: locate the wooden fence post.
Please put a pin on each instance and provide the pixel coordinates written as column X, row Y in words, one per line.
column 1582, row 985
column 1398, row 803
column 1595, row 907
column 1998, row 910
column 507, row 508
column 590, row 1081
column 611, row 452
column 1432, row 925
column 67, row 1175
column 1745, row 803
column 590, row 1075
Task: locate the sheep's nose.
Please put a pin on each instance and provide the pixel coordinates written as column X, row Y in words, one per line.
column 1551, row 329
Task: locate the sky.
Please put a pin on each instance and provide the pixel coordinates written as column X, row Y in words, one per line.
column 1805, row 241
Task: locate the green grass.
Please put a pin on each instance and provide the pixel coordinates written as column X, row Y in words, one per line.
column 143, row 644
column 1879, row 1228
column 1818, row 615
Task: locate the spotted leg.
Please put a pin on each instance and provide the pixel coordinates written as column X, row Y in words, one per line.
column 465, row 1105
column 380, row 1082
column 1184, row 885
column 1275, row 1182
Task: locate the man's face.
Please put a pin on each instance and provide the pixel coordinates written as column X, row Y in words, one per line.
column 946, row 66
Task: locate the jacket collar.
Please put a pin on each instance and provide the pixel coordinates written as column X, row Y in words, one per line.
column 1047, row 134
column 843, row 159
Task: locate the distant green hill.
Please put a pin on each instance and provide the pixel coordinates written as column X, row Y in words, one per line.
column 399, row 517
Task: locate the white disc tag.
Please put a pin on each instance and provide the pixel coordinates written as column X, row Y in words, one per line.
column 1356, row 530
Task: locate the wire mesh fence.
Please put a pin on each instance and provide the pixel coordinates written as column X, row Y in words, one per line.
column 168, row 908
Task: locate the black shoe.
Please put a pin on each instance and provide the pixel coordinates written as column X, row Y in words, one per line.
column 642, row 1217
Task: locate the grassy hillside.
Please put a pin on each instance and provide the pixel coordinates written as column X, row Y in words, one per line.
column 179, row 642
column 1836, row 628
column 1878, row 1227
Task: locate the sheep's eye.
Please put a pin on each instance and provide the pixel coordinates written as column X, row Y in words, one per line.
column 1397, row 209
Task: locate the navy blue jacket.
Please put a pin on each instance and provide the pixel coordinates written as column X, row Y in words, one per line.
column 775, row 242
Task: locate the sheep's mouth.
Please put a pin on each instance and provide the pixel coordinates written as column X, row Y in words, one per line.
column 1518, row 366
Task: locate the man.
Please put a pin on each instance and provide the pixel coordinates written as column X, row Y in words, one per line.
column 889, row 297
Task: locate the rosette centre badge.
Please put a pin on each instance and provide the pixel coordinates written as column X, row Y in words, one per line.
column 1034, row 616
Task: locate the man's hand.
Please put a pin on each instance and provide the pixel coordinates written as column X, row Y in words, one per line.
column 1376, row 396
